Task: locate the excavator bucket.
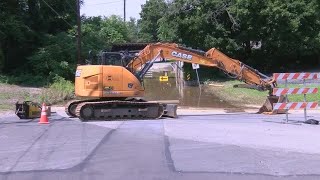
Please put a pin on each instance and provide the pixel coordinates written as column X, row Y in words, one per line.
column 267, row 107
column 170, row 110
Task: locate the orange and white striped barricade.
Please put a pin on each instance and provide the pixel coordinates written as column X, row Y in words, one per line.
column 296, row 105
column 290, row 91
column 295, row 76
column 285, row 91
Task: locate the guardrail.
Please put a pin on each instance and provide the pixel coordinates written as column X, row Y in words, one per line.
column 290, row 91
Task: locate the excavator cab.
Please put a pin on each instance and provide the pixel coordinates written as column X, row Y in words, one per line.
column 121, row 58
column 111, row 58
column 107, row 58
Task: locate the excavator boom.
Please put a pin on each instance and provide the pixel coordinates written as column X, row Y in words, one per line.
column 212, row 58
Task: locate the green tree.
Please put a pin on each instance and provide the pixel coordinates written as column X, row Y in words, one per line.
column 25, row 23
column 288, row 31
column 13, row 32
column 133, row 27
column 114, row 30
column 38, row 37
column 56, row 57
column 151, row 12
column 100, row 33
column 199, row 24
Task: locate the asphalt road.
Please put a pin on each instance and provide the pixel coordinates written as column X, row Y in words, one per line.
column 198, row 145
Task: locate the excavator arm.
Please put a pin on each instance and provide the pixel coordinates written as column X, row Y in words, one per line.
column 112, row 84
column 211, row 58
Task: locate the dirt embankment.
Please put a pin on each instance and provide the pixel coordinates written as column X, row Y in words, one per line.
column 10, row 94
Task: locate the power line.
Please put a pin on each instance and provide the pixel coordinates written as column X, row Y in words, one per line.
column 57, row 13
column 111, row 2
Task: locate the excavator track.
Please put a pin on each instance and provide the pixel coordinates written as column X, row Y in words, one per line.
column 113, row 110
column 70, row 107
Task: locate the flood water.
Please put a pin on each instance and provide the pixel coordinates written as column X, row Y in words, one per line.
column 189, row 96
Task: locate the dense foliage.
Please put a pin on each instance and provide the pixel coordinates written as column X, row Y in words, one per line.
column 28, row 25
column 271, row 35
column 38, row 44
column 38, row 38
column 151, row 12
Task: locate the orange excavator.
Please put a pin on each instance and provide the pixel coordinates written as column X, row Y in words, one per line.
column 113, row 88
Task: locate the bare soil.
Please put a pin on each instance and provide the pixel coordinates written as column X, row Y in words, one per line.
column 10, row 94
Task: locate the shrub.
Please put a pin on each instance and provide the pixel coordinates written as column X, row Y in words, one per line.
column 60, row 90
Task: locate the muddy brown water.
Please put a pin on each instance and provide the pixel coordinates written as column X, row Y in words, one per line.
column 189, row 96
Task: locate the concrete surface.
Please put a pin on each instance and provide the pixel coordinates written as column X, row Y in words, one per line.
column 201, row 144
column 193, row 156
column 247, row 130
column 26, row 145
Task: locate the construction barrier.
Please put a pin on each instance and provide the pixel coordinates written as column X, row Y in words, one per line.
column 295, row 76
column 296, row 105
column 284, row 91
column 290, row 91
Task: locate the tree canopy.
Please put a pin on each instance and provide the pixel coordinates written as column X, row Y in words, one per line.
column 38, row 38
column 287, row 31
column 151, row 12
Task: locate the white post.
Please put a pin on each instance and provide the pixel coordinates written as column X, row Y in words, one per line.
column 199, row 88
column 180, row 78
column 198, row 78
column 305, row 100
column 287, row 109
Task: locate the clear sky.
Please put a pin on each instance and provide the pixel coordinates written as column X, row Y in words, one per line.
column 110, row 7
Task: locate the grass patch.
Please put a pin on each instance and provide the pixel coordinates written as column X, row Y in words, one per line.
column 243, row 96
column 237, row 96
column 300, row 97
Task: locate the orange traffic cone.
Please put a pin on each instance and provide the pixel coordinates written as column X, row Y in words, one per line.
column 44, row 118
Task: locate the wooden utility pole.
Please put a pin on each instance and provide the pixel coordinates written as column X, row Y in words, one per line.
column 124, row 10
column 79, row 33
